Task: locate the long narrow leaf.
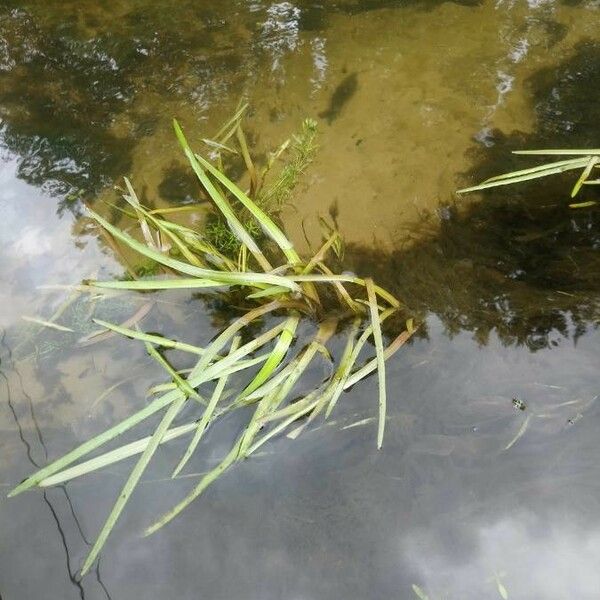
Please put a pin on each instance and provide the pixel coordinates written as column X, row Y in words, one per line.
column 539, row 168
column 221, row 340
column 153, row 339
column 518, row 179
column 97, row 336
column 206, row 480
column 240, row 365
column 345, row 366
column 160, row 284
column 132, row 481
column 207, row 416
column 274, row 360
column 132, row 199
column 179, row 381
column 559, row 152
column 584, row 175
column 247, row 159
column 372, row 364
column 48, row 324
column 233, row 121
column 380, row 359
column 114, row 456
column 301, row 408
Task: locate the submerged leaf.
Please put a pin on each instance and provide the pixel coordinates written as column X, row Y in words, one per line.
column 153, row 339
column 559, row 152
column 132, row 482
column 511, row 178
column 181, row 383
column 98, row 336
column 160, row 284
column 114, row 456
column 583, row 204
column 275, row 358
column 584, row 175
column 520, row 433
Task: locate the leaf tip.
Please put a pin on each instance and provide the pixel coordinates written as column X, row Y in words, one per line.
column 150, row 530
column 179, row 134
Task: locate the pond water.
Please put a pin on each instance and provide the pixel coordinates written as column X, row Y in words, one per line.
column 488, row 482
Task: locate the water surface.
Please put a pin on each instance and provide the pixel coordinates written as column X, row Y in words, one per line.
column 413, row 99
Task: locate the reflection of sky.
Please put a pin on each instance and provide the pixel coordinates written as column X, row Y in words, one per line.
column 328, row 517
column 36, row 246
column 528, row 514
column 551, row 561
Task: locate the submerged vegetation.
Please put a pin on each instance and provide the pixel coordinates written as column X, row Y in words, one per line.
column 269, row 196
column 262, row 274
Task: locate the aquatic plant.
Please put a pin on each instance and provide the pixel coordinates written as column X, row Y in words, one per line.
column 581, row 159
column 296, row 153
column 291, row 290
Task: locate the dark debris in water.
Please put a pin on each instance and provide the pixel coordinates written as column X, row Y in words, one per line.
column 341, row 95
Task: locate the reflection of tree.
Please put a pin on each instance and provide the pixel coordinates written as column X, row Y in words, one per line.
column 60, row 94
column 520, row 261
column 81, row 83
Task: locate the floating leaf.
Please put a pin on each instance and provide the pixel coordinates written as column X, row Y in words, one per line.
column 419, row 592
column 48, row 324
column 375, row 323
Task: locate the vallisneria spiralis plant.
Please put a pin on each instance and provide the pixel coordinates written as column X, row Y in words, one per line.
column 272, row 279
column 580, row 160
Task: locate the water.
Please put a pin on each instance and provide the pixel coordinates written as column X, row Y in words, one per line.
column 415, row 99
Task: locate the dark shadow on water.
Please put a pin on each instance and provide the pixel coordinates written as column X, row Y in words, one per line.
column 520, row 261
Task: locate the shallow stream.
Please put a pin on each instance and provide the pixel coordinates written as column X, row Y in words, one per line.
column 488, row 483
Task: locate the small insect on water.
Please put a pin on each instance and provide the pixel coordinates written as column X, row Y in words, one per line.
column 519, row 404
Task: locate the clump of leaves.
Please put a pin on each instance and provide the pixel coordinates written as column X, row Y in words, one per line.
column 280, row 284
column 582, row 160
